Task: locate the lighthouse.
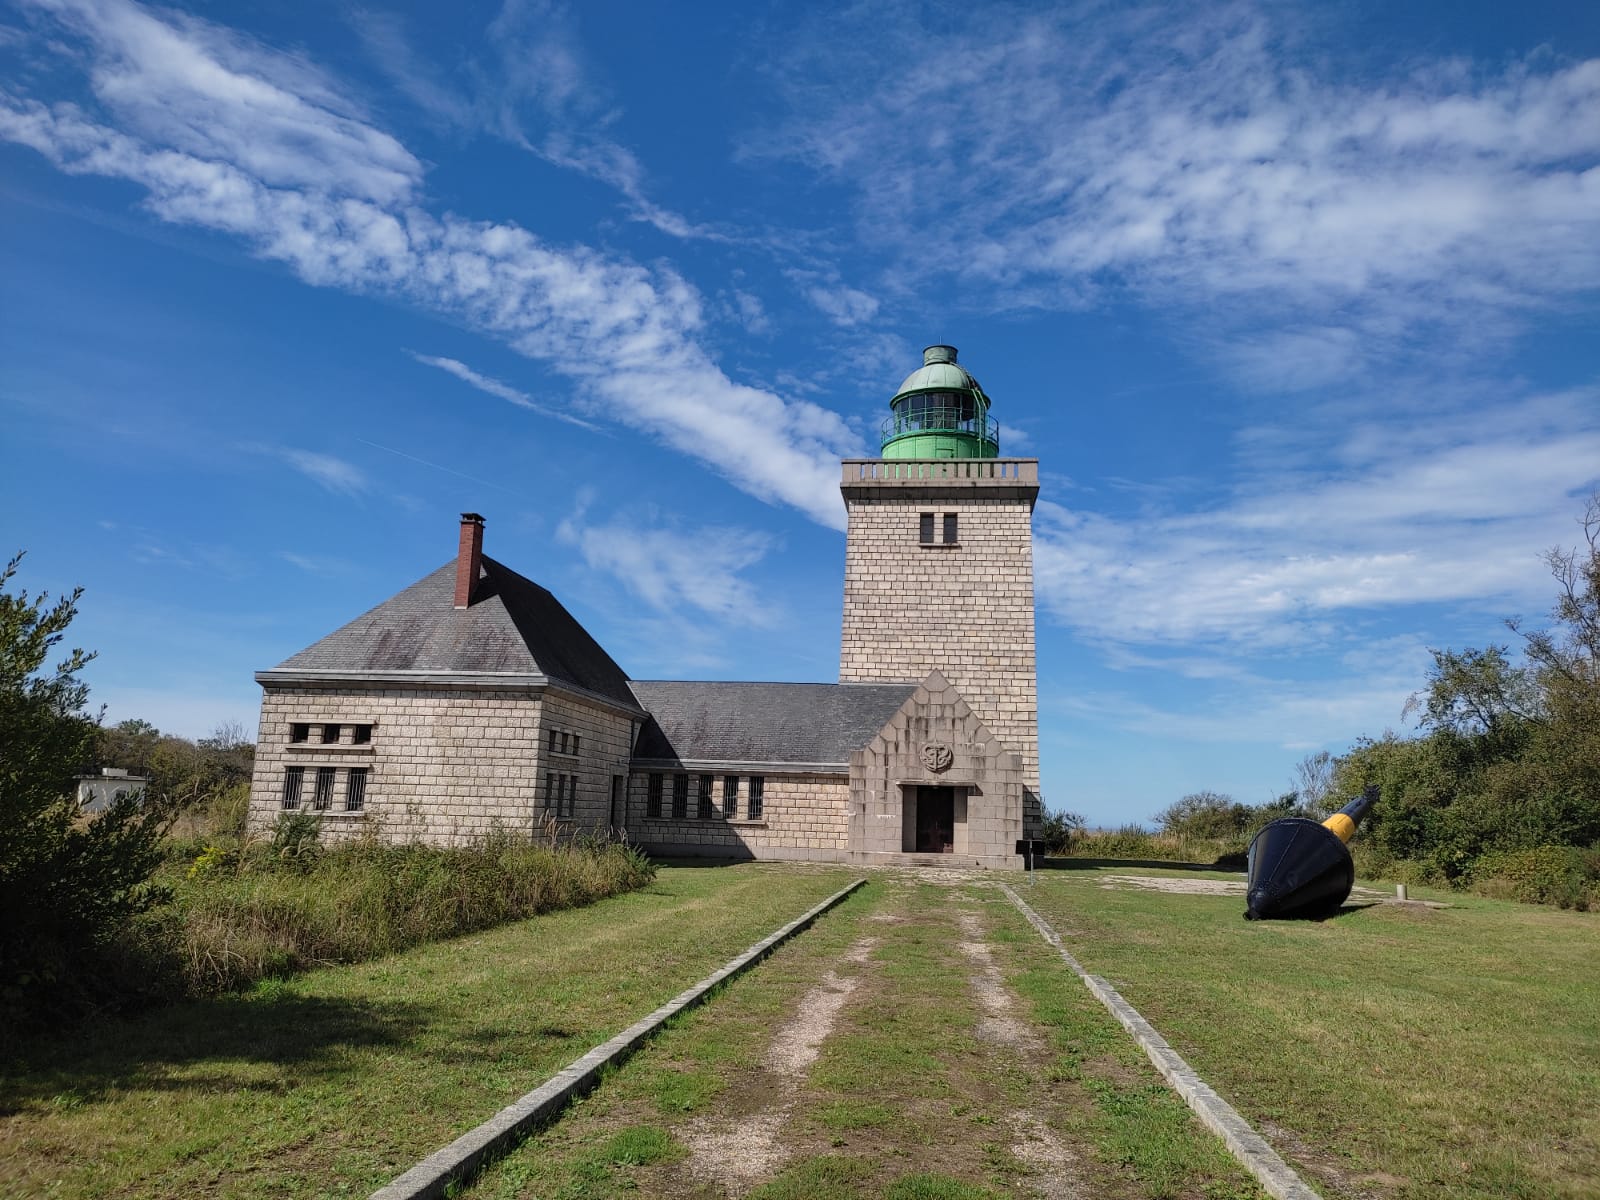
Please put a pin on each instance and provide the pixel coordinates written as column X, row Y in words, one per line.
column 939, row 557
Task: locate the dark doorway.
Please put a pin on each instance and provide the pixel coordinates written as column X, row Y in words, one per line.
column 936, row 820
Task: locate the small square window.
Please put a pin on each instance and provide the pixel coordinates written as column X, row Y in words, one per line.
column 925, row 531
column 294, row 779
column 355, row 790
column 950, row 534
column 652, row 797
column 322, row 798
column 330, row 735
column 758, row 787
column 730, row 795
column 361, row 734
column 680, row 796
column 300, row 732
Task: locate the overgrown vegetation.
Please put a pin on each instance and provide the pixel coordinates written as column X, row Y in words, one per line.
column 280, row 906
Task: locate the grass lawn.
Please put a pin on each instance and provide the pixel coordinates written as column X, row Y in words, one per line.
column 1393, row 1051
column 332, row 1083
column 936, row 1074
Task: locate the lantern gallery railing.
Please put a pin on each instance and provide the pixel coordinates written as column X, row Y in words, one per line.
column 940, row 420
column 1020, row 470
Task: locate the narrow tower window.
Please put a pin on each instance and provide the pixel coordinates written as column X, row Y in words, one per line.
column 950, row 530
column 926, row 537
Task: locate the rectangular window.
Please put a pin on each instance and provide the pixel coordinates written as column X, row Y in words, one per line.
column 926, row 532
column 361, row 734
column 322, row 799
column 758, row 786
column 703, row 808
column 680, row 796
column 652, row 796
column 572, row 795
column 549, row 791
column 355, row 790
column 330, row 735
column 552, row 741
column 563, row 742
column 300, row 733
column 730, row 795
column 294, row 779
column 576, row 741
column 950, row 536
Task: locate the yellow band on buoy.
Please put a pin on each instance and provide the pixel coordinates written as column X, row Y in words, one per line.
column 1341, row 825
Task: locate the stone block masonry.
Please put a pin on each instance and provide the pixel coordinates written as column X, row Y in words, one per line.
column 964, row 608
column 444, row 764
column 804, row 817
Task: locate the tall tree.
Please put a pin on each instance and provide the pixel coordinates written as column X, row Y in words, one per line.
column 67, row 884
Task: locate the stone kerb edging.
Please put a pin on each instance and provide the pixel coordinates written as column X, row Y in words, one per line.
column 431, row 1177
column 1276, row 1177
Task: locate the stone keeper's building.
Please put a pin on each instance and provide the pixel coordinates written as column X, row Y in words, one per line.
column 473, row 698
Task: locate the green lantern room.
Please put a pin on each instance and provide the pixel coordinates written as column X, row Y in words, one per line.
column 940, row 411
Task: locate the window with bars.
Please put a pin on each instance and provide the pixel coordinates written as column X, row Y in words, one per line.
column 652, row 795
column 322, row 798
column 355, row 790
column 294, row 780
column 680, row 796
column 758, row 787
column 703, row 809
column 730, row 796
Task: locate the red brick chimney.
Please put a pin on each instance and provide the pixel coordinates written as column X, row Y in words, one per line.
column 468, row 558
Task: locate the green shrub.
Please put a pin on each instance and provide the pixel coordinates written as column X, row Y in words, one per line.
column 1566, row 876
column 68, row 884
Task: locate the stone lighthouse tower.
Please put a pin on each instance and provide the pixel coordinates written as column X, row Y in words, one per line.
column 939, row 558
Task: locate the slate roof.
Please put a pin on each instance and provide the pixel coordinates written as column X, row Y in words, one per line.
column 763, row 722
column 512, row 627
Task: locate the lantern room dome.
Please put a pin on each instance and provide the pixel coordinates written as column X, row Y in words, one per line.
column 940, row 411
column 939, row 372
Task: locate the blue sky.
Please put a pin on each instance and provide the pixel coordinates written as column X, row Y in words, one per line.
column 1295, row 304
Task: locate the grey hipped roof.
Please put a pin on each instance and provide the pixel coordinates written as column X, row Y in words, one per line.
column 715, row 722
column 513, row 627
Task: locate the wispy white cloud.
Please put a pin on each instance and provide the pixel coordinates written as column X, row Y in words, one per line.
column 333, row 473
column 315, row 564
column 495, row 387
column 535, row 90
column 626, row 335
column 1451, row 511
column 677, row 570
column 1199, row 159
